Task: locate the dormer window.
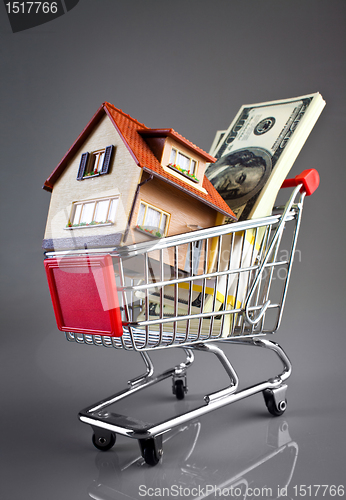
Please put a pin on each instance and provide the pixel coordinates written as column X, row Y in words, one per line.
column 183, row 164
column 95, row 163
column 183, row 161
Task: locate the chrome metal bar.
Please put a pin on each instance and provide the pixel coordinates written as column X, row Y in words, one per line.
column 271, row 266
column 277, row 235
column 189, row 299
column 169, row 241
column 90, row 416
column 215, row 284
column 124, row 300
column 161, row 294
column 250, row 274
column 142, row 382
column 182, row 367
column 293, row 248
column 225, row 305
column 227, row 366
column 188, row 279
column 273, row 346
column 182, row 239
column 149, row 372
column 176, row 292
column 146, row 299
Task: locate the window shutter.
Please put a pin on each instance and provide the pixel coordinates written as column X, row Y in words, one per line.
column 82, row 166
column 107, row 159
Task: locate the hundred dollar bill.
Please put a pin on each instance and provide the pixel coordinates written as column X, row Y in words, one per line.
column 257, row 151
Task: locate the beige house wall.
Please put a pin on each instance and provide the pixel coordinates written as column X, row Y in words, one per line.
column 122, row 180
column 185, row 210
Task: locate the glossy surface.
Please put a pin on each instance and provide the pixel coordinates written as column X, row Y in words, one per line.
column 84, row 294
column 49, row 453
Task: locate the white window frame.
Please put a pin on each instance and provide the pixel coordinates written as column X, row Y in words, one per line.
column 160, row 211
column 109, row 220
column 193, row 164
column 97, row 160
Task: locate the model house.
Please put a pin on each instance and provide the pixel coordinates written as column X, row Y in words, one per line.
column 122, row 183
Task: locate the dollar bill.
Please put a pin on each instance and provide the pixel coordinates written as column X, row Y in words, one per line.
column 258, row 149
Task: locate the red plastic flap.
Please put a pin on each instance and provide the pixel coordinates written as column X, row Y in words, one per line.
column 84, row 294
column 309, row 178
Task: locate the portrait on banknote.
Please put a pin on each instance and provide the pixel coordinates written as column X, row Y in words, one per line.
column 238, row 176
column 262, row 140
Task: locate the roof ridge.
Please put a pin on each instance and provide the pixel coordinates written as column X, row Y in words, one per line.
column 126, row 115
column 187, row 140
column 179, row 137
column 134, row 120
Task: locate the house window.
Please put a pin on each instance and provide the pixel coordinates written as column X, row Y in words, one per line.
column 94, row 212
column 152, row 220
column 97, row 158
column 95, row 163
column 183, row 164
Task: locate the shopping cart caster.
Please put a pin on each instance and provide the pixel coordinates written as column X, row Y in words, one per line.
column 275, row 400
column 151, row 450
column 103, row 440
column 179, row 387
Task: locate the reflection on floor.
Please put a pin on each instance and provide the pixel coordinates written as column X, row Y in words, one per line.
column 265, row 471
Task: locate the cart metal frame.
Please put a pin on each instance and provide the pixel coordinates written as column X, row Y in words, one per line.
column 248, row 324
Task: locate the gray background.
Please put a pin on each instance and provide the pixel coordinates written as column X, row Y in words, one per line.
column 188, row 65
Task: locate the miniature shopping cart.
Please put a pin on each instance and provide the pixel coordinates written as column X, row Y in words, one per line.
column 225, row 284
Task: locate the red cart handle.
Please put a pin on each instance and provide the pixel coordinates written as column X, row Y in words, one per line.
column 309, row 178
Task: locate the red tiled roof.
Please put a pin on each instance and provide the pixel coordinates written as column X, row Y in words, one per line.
column 169, row 132
column 132, row 133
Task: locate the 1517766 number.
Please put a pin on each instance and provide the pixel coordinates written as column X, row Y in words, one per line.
column 32, row 7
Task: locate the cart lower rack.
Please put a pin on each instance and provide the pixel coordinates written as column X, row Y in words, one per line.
column 225, row 284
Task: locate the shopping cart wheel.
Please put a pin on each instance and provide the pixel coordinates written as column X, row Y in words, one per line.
column 274, row 407
column 179, row 389
column 151, row 450
column 103, row 440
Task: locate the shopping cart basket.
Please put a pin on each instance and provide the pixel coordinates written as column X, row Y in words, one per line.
column 225, row 284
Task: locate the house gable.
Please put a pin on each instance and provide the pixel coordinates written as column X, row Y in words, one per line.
column 118, row 186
